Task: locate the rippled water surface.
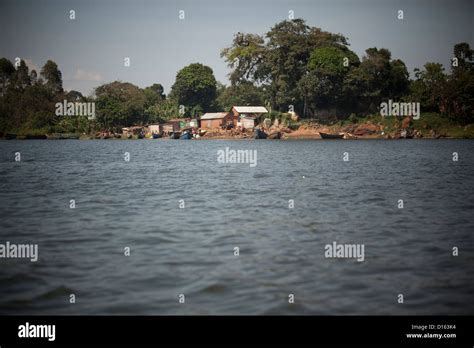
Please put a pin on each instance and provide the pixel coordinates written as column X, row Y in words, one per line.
column 191, row 251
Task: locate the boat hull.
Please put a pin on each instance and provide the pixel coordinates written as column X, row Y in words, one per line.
column 259, row 134
column 186, row 136
column 331, row 136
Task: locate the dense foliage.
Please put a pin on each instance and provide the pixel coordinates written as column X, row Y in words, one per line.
column 195, row 89
column 314, row 72
column 292, row 67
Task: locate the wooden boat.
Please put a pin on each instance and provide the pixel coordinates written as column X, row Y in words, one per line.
column 186, row 136
column 274, row 135
column 174, row 135
column 404, row 134
column 259, row 134
column 330, row 136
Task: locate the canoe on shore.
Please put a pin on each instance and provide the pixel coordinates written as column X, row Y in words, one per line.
column 259, row 134
column 331, row 136
column 186, row 136
column 274, row 135
column 174, row 135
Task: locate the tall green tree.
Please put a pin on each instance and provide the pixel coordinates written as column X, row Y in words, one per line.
column 52, row 76
column 280, row 61
column 119, row 104
column 377, row 78
column 245, row 58
column 459, row 92
column 245, row 93
column 322, row 85
column 429, row 87
column 6, row 72
column 162, row 111
column 22, row 76
column 464, row 55
column 154, row 94
column 195, row 88
column 290, row 44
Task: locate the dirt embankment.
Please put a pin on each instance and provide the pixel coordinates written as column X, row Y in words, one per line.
column 366, row 130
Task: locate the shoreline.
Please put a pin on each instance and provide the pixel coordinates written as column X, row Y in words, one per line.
column 293, row 138
column 365, row 129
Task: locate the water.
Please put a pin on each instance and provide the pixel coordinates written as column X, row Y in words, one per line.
column 190, row 251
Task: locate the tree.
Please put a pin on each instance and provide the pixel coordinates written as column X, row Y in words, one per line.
column 34, row 77
column 52, row 76
column 452, row 95
column 281, row 62
column 464, row 56
column 245, row 93
column 154, row 94
column 376, row 67
column 6, row 72
column 22, row 77
column 429, row 87
column 119, row 104
column 74, row 96
column 459, row 92
column 24, row 107
column 399, row 82
column 322, row 85
column 459, row 97
column 163, row 111
column 245, row 58
column 195, row 88
column 377, row 78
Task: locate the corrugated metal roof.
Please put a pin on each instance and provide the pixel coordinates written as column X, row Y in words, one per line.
column 250, row 109
column 213, row 115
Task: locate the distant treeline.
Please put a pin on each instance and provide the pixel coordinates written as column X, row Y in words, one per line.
column 293, row 67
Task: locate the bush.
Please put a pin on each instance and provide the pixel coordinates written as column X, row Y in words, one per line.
column 353, row 118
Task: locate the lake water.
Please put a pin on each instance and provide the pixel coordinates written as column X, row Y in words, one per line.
column 190, row 250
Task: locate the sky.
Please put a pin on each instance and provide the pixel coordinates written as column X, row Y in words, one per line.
column 90, row 49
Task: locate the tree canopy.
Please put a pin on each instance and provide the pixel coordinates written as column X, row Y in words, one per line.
column 195, row 88
column 311, row 69
column 52, row 76
column 292, row 66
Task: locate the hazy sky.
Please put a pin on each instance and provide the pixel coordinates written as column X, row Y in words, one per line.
column 90, row 49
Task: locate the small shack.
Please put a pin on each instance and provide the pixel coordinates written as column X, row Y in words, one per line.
column 247, row 117
column 214, row 120
column 170, row 127
column 155, row 129
column 173, row 125
column 178, row 122
column 193, row 123
column 135, row 130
